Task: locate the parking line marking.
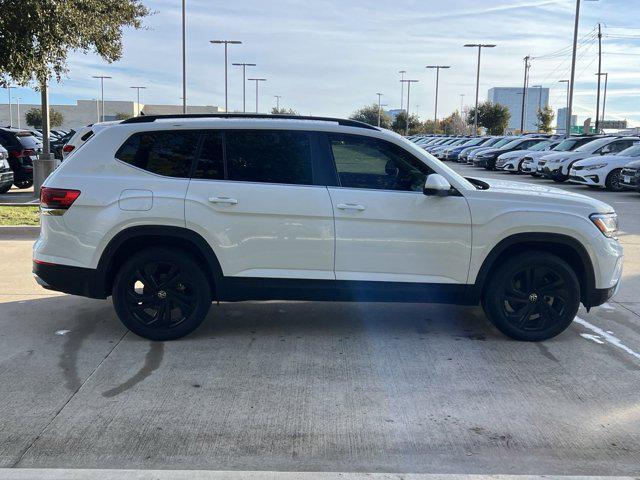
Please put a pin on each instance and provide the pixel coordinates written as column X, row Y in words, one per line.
column 615, row 341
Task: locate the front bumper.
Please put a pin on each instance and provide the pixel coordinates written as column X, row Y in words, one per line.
column 630, row 179
column 586, row 177
column 6, row 178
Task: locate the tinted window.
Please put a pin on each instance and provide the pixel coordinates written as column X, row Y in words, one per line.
column 211, row 162
column 269, row 156
column 165, row 153
column 363, row 162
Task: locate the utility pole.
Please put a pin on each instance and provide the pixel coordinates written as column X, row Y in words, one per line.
column 569, row 122
column 462, row 95
column 277, row 97
column 524, row 93
column 604, row 102
column 257, row 80
column 479, row 46
column 379, row 107
column 402, row 72
column 226, row 75
column 244, row 82
column 408, row 82
column 138, row 102
column 18, row 109
column 102, row 78
column 573, row 68
column 184, row 56
column 539, row 87
column 435, row 110
column 599, row 75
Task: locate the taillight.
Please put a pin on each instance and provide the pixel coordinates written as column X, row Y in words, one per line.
column 17, row 153
column 59, row 198
column 68, row 148
column 28, row 152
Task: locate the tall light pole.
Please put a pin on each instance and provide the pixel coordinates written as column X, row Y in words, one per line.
column 257, row 80
column 379, row 107
column 479, row 46
column 226, row 76
column 408, row 82
column 244, row 82
column 604, row 101
column 277, row 97
column 9, row 87
column 102, row 78
column 138, row 96
column 566, row 123
column 184, row 56
column 18, row 109
column 402, row 72
column 462, row 95
column 435, row 110
column 539, row 87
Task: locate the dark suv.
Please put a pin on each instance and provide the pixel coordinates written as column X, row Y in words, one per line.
column 23, row 149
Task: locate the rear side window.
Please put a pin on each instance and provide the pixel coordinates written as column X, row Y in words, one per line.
column 165, row 153
column 211, row 162
column 269, row 156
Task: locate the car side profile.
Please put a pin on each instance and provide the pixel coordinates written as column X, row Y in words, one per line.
column 604, row 171
column 167, row 214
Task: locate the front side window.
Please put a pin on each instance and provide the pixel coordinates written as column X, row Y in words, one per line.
column 269, row 156
column 363, row 162
column 164, row 153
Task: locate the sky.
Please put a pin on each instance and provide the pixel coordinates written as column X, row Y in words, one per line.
column 330, row 57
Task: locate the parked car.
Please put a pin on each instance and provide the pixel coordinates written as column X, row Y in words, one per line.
column 83, row 134
column 439, row 152
column 451, row 153
column 58, row 145
column 604, row 171
column 630, row 176
column 6, row 175
column 488, row 158
column 23, row 149
column 512, row 161
column 486, row 143
column 557, row 165
column 164, row 228
column 500, row 143
column 532, row 162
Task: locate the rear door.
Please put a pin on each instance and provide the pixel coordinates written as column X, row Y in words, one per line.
column 254, row 197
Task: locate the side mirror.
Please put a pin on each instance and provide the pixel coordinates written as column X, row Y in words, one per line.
column 436, row 184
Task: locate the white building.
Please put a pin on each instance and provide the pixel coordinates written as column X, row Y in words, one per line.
column 562, row 120
column 85, row 112
column 511, row 97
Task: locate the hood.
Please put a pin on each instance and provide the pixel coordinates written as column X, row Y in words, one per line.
column 560, row 155
column 512, row 155
column 540, row 193
column 611, row 160
column 634, row 164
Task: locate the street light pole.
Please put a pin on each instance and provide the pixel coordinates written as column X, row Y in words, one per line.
column 277, row 97
column 184, row 56
column 402, row 72
column 539, row 87
column 604, row 101
column 257, row 80
column 226, row 76
column 408, row 82
column 18, row 110
column 479, row 46
column 379, row 107
column 435, row 110
column 138, row 102
column 244, row 82
column 102, row 78
column 9, row 87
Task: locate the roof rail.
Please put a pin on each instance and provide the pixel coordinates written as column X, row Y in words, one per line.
column 339, row 121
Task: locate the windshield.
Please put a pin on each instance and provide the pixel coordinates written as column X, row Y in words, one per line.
column 474, row 141
column 566, row 145
column 633, row 151
column 512, row 144
column 593, row 145
column 544, row 145
column 502, row 142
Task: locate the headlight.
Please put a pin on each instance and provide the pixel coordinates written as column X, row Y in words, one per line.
column 607, row 223
column 595, row 167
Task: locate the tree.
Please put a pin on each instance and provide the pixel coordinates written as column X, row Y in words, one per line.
column 400, row 124
column 34, row 118
column 283, row 111
column 123, row 116
column 545, row 118
column 492, row 116
column 452, row 125
column 369, row 114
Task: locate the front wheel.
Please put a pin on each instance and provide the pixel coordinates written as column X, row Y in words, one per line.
column 532, row 297
column 161, row 294
column 613, row 181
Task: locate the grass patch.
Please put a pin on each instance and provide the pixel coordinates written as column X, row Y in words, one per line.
column 19, row 215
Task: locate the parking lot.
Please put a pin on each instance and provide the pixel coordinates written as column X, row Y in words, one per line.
column 320, row 387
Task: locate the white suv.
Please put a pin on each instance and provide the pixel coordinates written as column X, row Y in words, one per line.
column 166, row 214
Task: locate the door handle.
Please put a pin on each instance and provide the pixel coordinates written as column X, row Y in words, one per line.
column 351, row 206
column 226, row 200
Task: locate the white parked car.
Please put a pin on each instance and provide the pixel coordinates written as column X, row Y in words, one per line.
column 533, row 163
column 83, row 134
column 167, row 214
column 557, row 165
column 512, row 161
column 604, row 171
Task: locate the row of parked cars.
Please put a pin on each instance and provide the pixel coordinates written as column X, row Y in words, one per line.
column 611, row 162
column 19, row 148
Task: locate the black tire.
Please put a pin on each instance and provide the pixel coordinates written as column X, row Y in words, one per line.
column 532, row 297
column 161, row 294
column 612, row 183
column 561, row 179
column 23, row 183
column 5, row 189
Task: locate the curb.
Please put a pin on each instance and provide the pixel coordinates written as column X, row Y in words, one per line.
column 30, row 231
column 32, row 203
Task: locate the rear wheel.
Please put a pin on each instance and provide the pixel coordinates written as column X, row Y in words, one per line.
column 161, row 294
column 23, row 183
column 613, row 181
column 533, row 296
column 5, row 189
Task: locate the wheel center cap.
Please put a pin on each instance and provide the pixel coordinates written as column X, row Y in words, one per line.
column 162, row 294
column 533, row 297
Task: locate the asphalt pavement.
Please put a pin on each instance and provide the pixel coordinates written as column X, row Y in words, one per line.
column 268, row 387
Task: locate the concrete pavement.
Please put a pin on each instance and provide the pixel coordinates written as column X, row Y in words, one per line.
column 271, row 387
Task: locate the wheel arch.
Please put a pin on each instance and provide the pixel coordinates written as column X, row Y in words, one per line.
column 134, row 239
column 567, row 248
